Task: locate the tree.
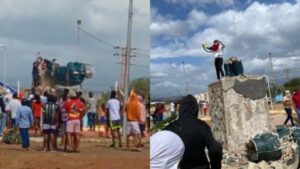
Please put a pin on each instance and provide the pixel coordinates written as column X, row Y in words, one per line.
column 141, row 86
column 292, row 85
column 275, row 90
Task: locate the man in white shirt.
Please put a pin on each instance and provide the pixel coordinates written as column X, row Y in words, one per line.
column 12, row 108
column 113, row 108
column 218, row 53
column 91, row 111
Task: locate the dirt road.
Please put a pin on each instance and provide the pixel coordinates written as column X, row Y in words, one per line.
column 93, row 155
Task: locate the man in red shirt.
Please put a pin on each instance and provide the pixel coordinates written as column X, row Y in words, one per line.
column 74, row 108
column 296, row 102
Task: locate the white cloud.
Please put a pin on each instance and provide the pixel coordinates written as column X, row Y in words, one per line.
column 202, row 3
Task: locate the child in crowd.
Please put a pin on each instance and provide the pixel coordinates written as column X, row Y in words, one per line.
column 102, row 119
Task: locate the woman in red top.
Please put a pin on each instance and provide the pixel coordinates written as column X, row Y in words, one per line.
column 37, row 106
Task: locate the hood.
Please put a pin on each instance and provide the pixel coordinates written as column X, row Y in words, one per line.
column 188, row 107
column 297, row 93
column 133, row 97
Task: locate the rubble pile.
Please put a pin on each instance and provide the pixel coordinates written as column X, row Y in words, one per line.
column 288, row 160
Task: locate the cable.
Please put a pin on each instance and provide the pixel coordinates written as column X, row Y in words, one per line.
column 97, row 39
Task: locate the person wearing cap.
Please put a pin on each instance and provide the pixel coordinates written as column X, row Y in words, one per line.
column 74, row 109
column 288, row 103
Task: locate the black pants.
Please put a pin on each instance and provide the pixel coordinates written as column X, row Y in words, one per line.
column 289, row 116
column 218, row 65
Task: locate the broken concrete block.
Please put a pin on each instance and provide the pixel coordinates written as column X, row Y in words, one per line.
column 239, row 110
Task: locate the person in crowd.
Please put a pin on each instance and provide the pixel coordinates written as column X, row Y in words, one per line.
column 12, row 109
column 160, row 111
column 142, row 119
column 102, row 119
column 24, row 120
column 296, row 102
column 204, row 105
column 196, row 136
column 74, row 108
column 166, row 150
column 2, row 115
column 36, row 71
column 201, row 106
column 217, row 49
column 51, row 112
column 287, row 103
column 82, row 114
column 37, row 107
column 55, row 64
column 113, row 108
column 91, row 111
column 172, row 108
column 132, row 108
column 64, row 119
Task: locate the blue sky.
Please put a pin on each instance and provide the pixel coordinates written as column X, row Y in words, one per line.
column 250, row 30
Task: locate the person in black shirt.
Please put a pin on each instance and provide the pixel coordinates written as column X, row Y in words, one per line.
column 35, row 72
column 196, row 135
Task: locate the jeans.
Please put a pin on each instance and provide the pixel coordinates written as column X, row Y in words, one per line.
column 289, row 116
column 25, row 137
column 160, row 117
column 91, row 119
column 2, row 122
column 13, row 123
column 218, row 65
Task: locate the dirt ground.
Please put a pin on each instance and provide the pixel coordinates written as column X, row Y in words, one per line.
column 94, row 155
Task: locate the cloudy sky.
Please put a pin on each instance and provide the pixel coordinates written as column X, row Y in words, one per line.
column 249, row 29
column 50, row 27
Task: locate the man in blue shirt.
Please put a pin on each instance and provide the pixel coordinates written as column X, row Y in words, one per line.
column 24, row 120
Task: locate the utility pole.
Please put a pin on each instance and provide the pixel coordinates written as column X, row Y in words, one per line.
column 185, row 82
column 78, row 39
column 287, row 74
column 272, row 74
column 127, row 66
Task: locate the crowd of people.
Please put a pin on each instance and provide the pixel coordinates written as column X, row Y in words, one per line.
column 62, row 116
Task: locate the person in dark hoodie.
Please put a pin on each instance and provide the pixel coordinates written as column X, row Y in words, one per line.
column 196, row 135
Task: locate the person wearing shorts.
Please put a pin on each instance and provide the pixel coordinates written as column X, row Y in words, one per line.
column 74, row 108
column 37, row 107
column 113, row 108
column 64, row 119
column 50, row 123
column 133, row 114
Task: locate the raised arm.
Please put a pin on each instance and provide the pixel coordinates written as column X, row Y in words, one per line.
column 223, row 46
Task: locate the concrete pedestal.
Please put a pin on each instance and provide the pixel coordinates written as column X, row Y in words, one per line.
column 239, row 111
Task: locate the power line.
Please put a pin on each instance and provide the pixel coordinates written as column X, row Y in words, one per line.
column 97, row 39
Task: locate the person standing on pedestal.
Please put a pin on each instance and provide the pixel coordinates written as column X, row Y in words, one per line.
column 217, row 48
